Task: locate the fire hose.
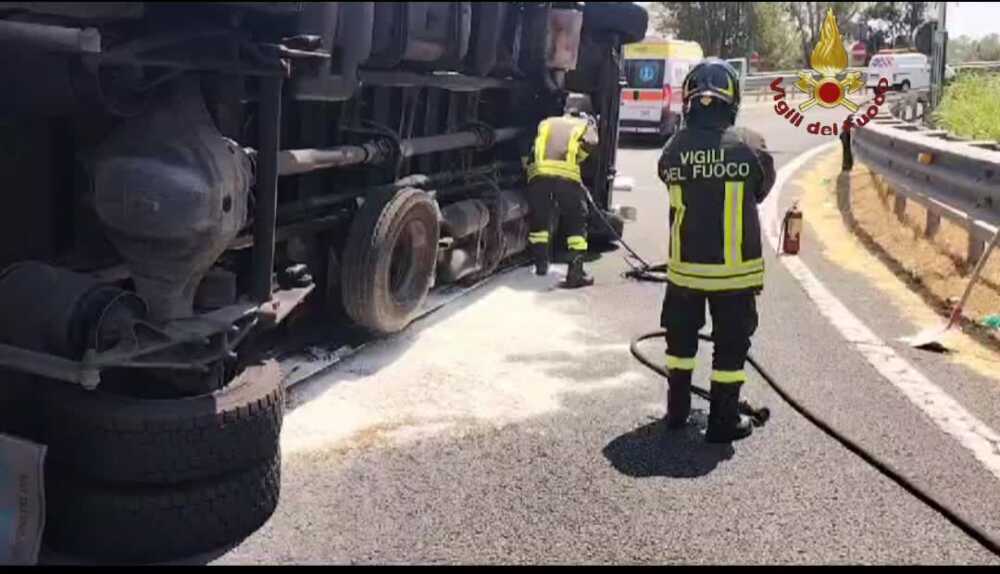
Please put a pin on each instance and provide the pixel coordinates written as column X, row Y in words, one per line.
column 760, row 415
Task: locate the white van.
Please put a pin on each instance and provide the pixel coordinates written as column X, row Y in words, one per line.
column 903, row 71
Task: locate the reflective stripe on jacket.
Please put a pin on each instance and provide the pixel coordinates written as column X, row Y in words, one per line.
column 716, row 178
column 561, row 146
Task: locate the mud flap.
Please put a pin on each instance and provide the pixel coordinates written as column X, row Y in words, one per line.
column 22, row 500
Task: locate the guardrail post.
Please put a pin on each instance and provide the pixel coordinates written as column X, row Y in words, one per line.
column 846, row 154
column 946, row 180
column 899, row 205
column 932, row 225
column 844, row 196
column 976, row 247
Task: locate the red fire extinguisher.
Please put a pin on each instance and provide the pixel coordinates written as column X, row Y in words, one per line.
column 791, row 230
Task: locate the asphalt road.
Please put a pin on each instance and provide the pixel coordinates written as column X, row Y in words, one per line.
column 514, row 427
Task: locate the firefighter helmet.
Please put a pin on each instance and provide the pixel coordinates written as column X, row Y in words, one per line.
column 712, row 78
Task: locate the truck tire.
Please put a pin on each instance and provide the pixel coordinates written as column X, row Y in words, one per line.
column 19, row 406
column 122, row 440
column 153, row 524
column 389, row 260
column 627, row 20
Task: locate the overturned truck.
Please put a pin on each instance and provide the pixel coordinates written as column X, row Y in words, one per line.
column 183, row 178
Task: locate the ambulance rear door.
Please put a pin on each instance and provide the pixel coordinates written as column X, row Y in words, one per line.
column 643, row 95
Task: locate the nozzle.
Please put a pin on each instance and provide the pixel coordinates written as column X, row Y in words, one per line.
column 758, row 417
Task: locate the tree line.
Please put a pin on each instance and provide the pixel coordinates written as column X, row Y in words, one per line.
column 965, row 49
column 784, row 33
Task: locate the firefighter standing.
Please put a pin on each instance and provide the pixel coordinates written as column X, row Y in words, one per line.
column 716, row 175
column 554, row 179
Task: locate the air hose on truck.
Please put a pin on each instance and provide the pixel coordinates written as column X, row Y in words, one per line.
column 644, row 271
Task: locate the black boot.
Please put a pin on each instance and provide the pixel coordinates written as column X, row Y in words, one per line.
column 725, row 423
column 540, row 254
column 678, row 398
column 576, row 277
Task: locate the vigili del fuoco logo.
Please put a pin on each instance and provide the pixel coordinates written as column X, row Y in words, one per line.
column 828, row 86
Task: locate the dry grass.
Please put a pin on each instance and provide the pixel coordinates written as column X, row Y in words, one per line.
column 937, row 265
column 913, row 287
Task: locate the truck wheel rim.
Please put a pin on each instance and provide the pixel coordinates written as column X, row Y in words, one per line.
column 403, row 264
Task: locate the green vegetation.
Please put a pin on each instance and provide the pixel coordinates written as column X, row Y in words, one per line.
column 971, row 106
column 897, row 22
column 734, row 29
column 785, row 33
column 965, row 49
column 777, row 38
column 722, row 29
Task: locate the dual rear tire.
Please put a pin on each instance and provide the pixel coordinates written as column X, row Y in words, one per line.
column 153, row 524
column 154, row 480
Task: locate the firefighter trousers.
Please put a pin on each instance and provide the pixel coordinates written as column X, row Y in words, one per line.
column 734, row 321
column 567, row 198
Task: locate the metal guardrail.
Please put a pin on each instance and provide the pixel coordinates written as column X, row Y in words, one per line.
column 762, row 82
column 977, row 66
column 910, row 106
column 766, row 77
column 951, row 177
column 759, row 84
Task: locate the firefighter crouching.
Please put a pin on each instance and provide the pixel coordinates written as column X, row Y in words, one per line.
column 717, row 175
column 554, row 180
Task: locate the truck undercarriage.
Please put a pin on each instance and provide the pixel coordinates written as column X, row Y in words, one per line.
column 184, row 177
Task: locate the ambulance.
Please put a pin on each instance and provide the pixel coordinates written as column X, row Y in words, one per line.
column 654, row 71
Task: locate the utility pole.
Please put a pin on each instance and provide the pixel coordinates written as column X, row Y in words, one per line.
column 939, row 55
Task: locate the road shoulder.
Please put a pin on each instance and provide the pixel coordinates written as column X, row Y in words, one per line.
column 829, row 236
column 866, row 287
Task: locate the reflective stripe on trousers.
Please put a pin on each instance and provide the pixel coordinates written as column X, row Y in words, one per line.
column 729, row 376
column 536, row 237
column 680, row 363
column 576, row 243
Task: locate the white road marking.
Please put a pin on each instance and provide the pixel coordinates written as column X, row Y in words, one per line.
column 945, row 411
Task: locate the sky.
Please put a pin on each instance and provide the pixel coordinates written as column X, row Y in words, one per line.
column 973, row 19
